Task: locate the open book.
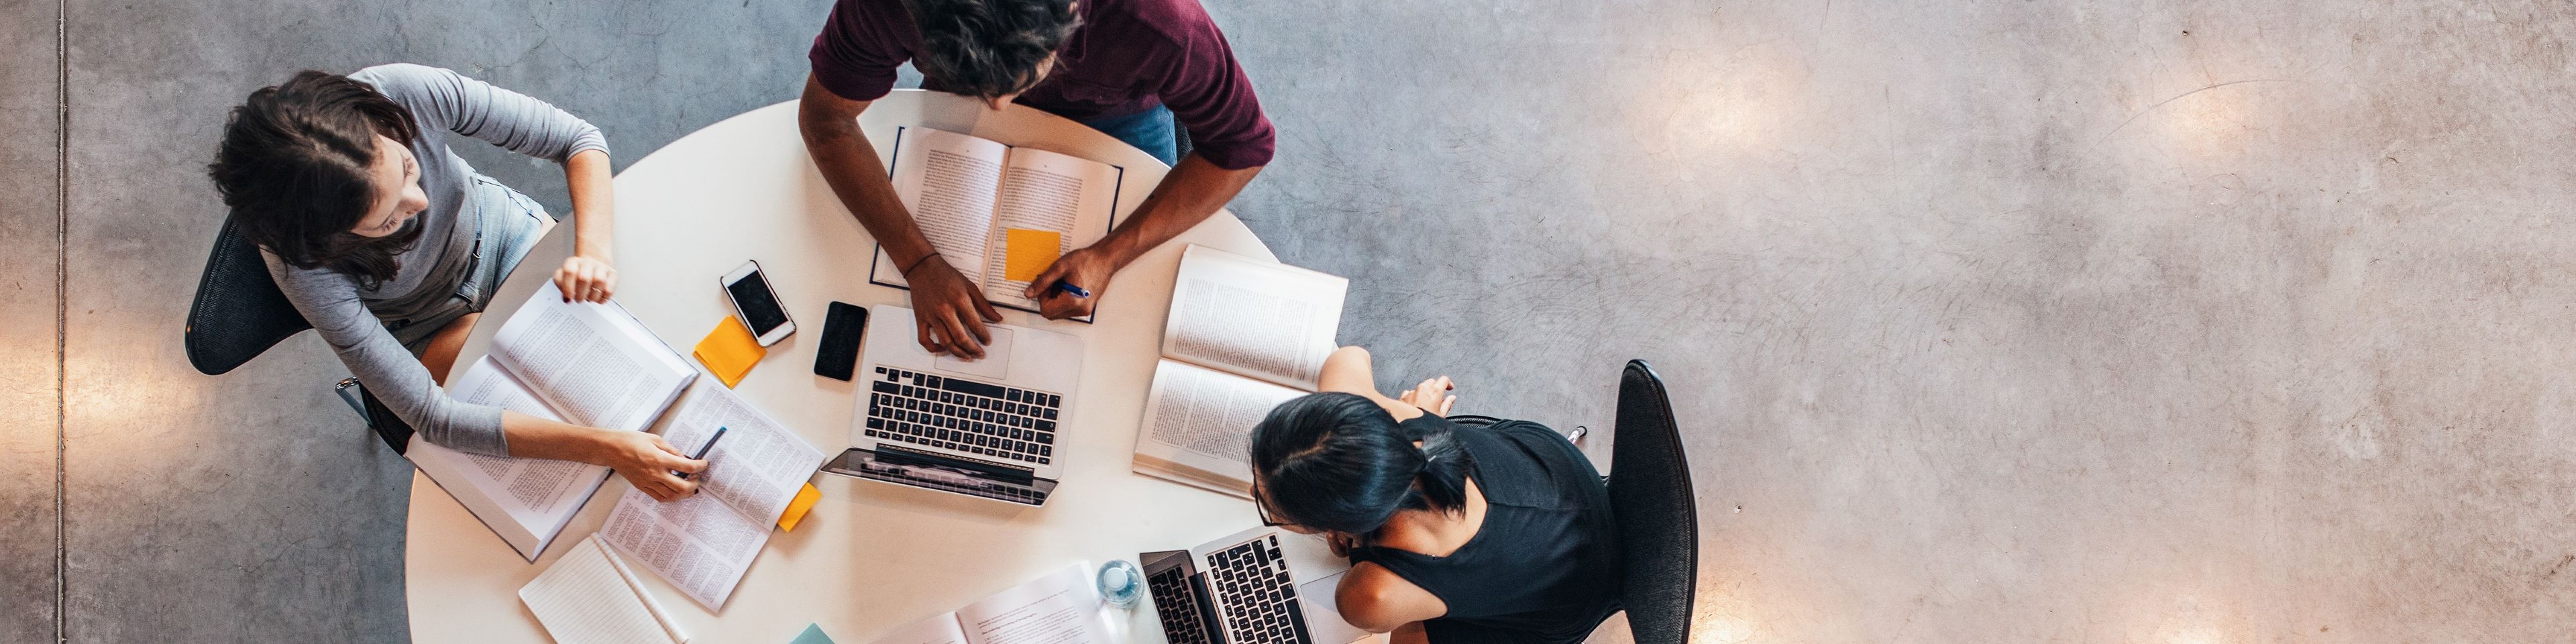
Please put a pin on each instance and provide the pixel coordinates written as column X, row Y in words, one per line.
column 578, row 362
column 704, row 543
column 1243, row 336
column 590, row 597
column 1000, row 214
column 1060, row 608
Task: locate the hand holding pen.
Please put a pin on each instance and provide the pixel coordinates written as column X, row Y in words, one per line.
column 1071, row 287
column 702, row 450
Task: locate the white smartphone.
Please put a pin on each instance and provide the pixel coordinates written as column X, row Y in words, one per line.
column 757, row 304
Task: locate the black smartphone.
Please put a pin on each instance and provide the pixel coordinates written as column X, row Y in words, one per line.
column 843, row 326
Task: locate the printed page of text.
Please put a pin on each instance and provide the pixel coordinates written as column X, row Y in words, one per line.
column 759, row 465
column 696, row 543
column 1251, row 317
column 1203, row 418
column 1071, row 197
column 1060, row 608
column 948, row 181
column 592, row 361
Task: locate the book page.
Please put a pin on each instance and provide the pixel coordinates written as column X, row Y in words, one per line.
column 524, row 500
column 1050, row 204
column 757, row 468
column 1202, row 419
column 949, row 182
column 939, row 629
column 696, row 543
column 592, row 362
column 583, row 599
column 1253, row 318
column 1060, row 608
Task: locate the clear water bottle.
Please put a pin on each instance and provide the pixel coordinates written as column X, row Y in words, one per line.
column 1121, row 584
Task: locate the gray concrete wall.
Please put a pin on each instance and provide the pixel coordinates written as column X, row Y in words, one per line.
column 1988, row 321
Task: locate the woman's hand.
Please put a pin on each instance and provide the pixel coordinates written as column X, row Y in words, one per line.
column 586, row 279
column 646, row 461
column 1432, row 396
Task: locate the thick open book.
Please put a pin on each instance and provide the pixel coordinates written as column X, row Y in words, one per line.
column 1060, row 608
column 1243, row 336
column 1000, row 214
column 591, row 597
column 578, row 362
column 704, row 543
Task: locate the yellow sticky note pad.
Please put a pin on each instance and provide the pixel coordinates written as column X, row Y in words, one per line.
column 795, row 513
column 1029, row 252
column 730, row 351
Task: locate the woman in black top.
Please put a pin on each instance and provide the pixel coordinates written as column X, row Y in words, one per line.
column 1472, row 530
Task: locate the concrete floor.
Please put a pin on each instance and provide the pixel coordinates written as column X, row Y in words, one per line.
column 2192, row 322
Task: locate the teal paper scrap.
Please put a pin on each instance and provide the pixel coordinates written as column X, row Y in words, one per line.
column 813, row 635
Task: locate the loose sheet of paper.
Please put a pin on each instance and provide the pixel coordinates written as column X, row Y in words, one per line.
column 583, row 599
column 1060, row 608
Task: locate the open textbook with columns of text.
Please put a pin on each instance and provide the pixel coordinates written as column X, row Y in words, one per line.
column 1060, row 608
column 704, row 543
column 997, row 213
column 577, row 362
column 1243, row 336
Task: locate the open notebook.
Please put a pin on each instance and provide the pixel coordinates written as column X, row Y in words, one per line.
column 1060, row 608
column 1000, row 214
column 590, row 597
column 1243, row 336
column 704, row 543
column 579, row 362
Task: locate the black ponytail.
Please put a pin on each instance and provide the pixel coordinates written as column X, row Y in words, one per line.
column 1337, row 461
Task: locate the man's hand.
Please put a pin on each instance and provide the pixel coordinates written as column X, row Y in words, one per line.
column 1088, row 268
column 647, row 463
column 948, row 311
column 586, row 279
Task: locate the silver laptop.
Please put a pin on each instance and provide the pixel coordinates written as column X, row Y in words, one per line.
column 1244, row 589
column 983, row 428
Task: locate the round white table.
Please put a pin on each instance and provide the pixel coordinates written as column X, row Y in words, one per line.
column 870, row 556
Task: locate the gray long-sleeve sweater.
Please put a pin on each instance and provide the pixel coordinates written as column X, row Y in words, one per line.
column 352, row 318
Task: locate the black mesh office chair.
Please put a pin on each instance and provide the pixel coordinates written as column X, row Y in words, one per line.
column 1650, row 493
column 239, row 313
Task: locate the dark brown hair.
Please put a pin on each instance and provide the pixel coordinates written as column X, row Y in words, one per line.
column 293, row 170
column 989, row 48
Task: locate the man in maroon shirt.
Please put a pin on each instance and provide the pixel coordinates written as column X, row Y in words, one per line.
column 1127, row 67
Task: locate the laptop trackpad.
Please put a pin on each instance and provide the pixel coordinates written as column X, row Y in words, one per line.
column 1323, row 620
column 995, row 365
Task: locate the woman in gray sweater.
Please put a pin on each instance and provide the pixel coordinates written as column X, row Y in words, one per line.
column 391, row 245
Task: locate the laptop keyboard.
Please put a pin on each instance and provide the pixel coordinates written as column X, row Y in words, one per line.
column 1179, row 608
column 964, row 415
column 1251, row 582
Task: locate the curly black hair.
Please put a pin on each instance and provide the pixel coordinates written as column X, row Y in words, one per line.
column 990, row 48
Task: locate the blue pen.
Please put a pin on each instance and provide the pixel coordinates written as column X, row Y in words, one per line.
column 1062, row 286
column 702, row 449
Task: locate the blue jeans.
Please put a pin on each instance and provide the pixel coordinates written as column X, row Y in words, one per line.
column 1149, row 130
column 509, row 225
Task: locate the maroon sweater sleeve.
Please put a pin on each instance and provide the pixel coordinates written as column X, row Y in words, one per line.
column 861, row 45
column 1209, row 94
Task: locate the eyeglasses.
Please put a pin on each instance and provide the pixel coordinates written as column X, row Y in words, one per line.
column 1263, row 508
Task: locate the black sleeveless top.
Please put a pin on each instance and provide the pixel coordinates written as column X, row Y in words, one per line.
column 1545, row 562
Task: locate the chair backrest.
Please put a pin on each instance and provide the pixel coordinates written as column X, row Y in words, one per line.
column 239, row 311
column 1650, row 494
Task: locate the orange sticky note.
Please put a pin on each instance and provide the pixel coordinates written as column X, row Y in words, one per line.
column 1026, row 253
column 795, row 513
column 730, row 351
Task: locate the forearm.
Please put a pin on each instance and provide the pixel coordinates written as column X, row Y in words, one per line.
column 533, row 437
column 1194, row 190
column 594, row 209
column 848, row 163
